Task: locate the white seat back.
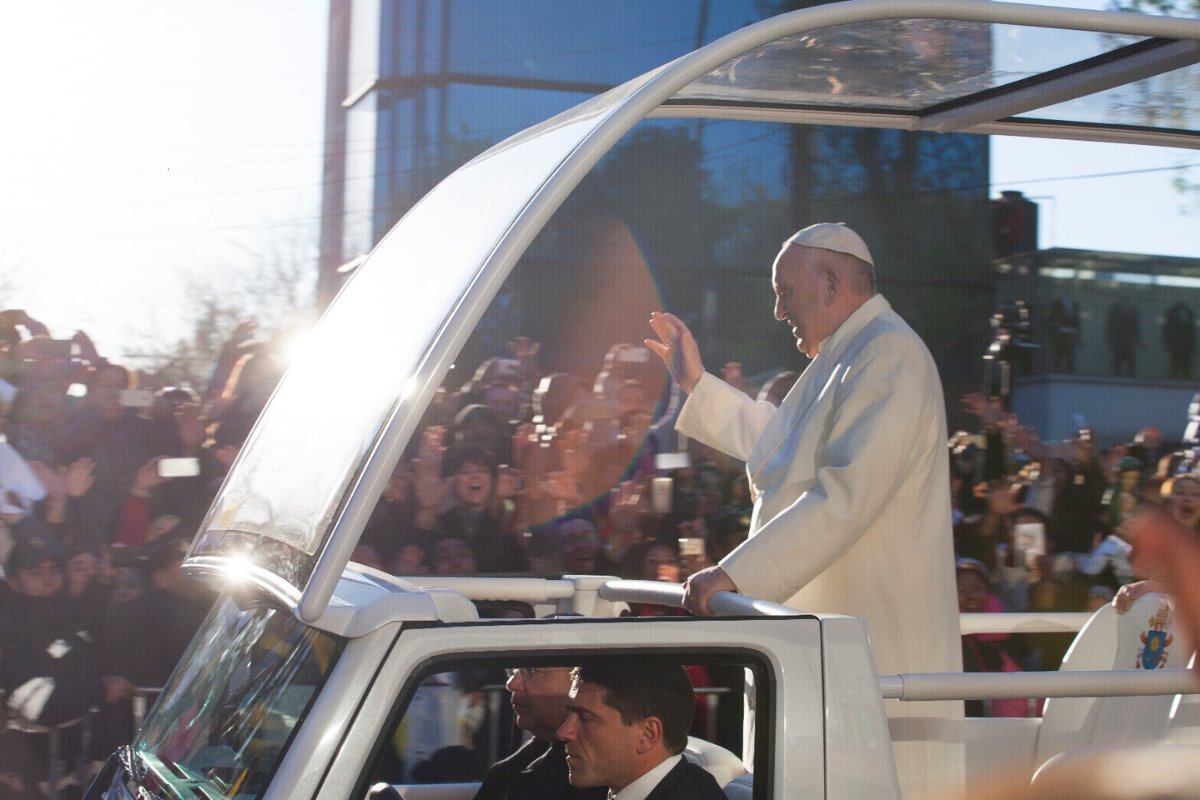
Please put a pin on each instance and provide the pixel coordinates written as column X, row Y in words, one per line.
column 719, row 762
column 1145, row 637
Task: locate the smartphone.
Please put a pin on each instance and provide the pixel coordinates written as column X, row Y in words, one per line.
column 1030, row 536
column 137, row 398
column 178, row 467
column 660, row 495
column 691, row 546
column 672, row 461
column 637, row 355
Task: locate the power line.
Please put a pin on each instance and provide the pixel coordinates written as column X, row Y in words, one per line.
column 1088, row 176
column 723, row 153
column 114, row 236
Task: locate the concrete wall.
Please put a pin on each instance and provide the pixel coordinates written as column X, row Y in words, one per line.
column 1115, row 408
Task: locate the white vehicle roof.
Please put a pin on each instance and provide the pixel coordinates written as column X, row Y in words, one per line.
column 295, row 503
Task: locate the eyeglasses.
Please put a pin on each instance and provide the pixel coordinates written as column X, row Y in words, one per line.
column 533, row 673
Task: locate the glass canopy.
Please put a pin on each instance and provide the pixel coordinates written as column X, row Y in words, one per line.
column 963, row 75
column 294, row 504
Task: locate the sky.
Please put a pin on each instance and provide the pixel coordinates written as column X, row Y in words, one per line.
column 153, row 148
column 156, row 148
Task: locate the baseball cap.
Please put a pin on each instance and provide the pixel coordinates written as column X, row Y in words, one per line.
column 973, row 565
column 833, row 236
column 30, row 551
column 166, row 552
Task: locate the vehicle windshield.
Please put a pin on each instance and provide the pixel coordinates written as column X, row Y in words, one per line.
column 226, row 717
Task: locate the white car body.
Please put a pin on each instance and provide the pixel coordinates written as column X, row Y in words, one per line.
column 358, row 642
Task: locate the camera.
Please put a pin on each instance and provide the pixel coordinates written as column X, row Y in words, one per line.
column 136, row 398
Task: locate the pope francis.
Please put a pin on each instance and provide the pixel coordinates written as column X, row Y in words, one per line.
column 850, row 479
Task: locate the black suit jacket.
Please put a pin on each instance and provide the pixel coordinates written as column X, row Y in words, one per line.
column 536, row 771
column 686, row 781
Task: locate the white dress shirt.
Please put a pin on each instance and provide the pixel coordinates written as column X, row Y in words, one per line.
column 643, row 786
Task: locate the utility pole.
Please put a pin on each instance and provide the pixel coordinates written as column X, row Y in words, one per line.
column 333, row 170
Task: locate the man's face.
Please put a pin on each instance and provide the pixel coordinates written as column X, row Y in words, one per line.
column 632, row 398
column 81, row 568
column 1083, row 446
column 798, row 297
column 43, row 397
column 505, row 398
column 539, row 698
column 580, row 545
column 473, row 485
column 453, row 557
column 44, row 580
column 1185, row 500
column 600, row 746
column 660, row 564
column 127, row 586
column 105, row 392
column 972, row 592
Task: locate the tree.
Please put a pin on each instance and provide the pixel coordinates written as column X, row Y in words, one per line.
column 275, row 289
column 1175, row 90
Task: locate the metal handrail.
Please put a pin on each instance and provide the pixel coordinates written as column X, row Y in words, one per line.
column 1065, row 683
column 1024, row 622
column 671, row 594
column 733, row 604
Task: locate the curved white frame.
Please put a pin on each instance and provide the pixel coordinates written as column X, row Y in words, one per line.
column 583, row 135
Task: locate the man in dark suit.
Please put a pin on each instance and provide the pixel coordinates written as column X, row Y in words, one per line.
column 538, row 769
column 626, row 728
column 1179, row 338
column 1124, row 337
column 1064, row 333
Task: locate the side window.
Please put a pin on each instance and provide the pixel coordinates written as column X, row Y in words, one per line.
column 456, row 725
column 463, row 718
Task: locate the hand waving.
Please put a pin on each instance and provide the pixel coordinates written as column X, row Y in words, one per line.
column 677, row 348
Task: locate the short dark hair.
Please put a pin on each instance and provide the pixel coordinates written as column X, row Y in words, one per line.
column 640, row 690
column 461, row 455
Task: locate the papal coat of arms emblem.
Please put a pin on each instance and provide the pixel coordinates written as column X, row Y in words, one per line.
column 1156, row 640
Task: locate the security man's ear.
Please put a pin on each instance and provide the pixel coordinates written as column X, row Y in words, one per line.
column 651, row 735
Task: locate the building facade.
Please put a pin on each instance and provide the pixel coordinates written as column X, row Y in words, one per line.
column 685, row 215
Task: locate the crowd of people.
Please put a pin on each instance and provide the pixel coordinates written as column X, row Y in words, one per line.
column 516, row 471
column 1052, row 527
column 104, row 478
column 520, row 472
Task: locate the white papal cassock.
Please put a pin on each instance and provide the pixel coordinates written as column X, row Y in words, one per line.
column 850, row 477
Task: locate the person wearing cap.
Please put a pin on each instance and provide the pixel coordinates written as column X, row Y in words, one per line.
column 849, row 476
column 47, row 659
column 147, row 635
column 468, row 475
column 985, row 652
column 151, row 633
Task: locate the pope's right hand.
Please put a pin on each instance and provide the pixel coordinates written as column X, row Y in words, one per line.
column 677, row 348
